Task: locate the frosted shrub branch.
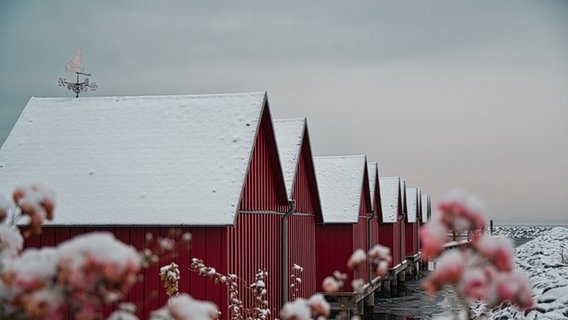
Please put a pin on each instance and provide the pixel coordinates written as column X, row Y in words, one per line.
column 260, row 308
column 296, row 280
column 483, row 269
column 169, row 275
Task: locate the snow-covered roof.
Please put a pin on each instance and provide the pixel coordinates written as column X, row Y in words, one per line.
column 426, row 208
column 411, row 204
column 163, row 160
column 289, row 137
column 340, row 184
column 373, row 170
column 390, row 193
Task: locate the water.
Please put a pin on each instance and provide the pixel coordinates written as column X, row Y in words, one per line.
column 412, row 302
column 520, row 241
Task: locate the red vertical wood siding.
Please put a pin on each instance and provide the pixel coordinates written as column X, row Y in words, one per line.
column 301, row 226
column 255, row 240
column 334, row 246
column 402, row 238
column 411, row 238
column 264, row 187
column 360, row 232
column 389, row 236
column 209, row 244
column 302, row 251
column 255, row 244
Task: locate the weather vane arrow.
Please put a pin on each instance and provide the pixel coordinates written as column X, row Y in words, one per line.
column 76, row 65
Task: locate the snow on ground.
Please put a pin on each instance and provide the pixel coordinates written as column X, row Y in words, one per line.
column 545, row 260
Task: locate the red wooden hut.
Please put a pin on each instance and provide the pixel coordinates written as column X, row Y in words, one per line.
column 207, row 164
column 299, row 175
column 343, row 183
column 412, row 223
column 426, row 211
column 374, row 188
column 404, row 207
column 390, row 220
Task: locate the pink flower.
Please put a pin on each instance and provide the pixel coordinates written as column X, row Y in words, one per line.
column 514, row 287
column 330, row 284
column 183, row 306
column 450, row 267
column 498, row 250
column 474, row 283
column 449, row 270
column 432, row 236
column 357, row 258
column 462, row 211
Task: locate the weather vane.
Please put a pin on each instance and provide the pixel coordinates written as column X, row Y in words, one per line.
column 76, row 66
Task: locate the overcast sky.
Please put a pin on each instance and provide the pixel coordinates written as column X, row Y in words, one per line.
column 442, row 93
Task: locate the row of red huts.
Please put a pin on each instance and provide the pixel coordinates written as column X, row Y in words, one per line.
column 247, row 187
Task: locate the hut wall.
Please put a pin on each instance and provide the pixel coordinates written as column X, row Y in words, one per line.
column 334, row 246
column 389, row 236
column 209, row 244
column 301, row 228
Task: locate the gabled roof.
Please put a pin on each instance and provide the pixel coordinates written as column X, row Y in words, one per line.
column 426, row 208
column 163, row 160
column 373, row 169
column 340, row 183
column 289, row 136
column 390, row 196
column 412, row 204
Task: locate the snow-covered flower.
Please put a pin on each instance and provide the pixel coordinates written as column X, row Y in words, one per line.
column 380, row 257
column 319, row 306
column 11, row 243
column 499, row 250
column 475, row 283
column 462, row 211
column 357, row 284
column 331, row 284
column 125, row 311
column 296, row 310
column 433, row 236
column 513, row 287
column 357, row 258
column 184, row 307
column 297, row 267
column 449, row 270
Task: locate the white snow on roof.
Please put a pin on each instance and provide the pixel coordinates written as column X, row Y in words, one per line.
column 426, row 208
column 390, row 192
column 163, row 160
column 373, row 170
column 289, row 137
column 411, row 204
column 340, row 184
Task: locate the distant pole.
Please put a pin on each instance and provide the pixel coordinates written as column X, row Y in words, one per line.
column 491, row 226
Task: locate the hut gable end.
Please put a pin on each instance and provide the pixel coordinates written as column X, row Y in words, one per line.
column 412, row 204
column 298, row 165
column 341, row 184
column 390, row 198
